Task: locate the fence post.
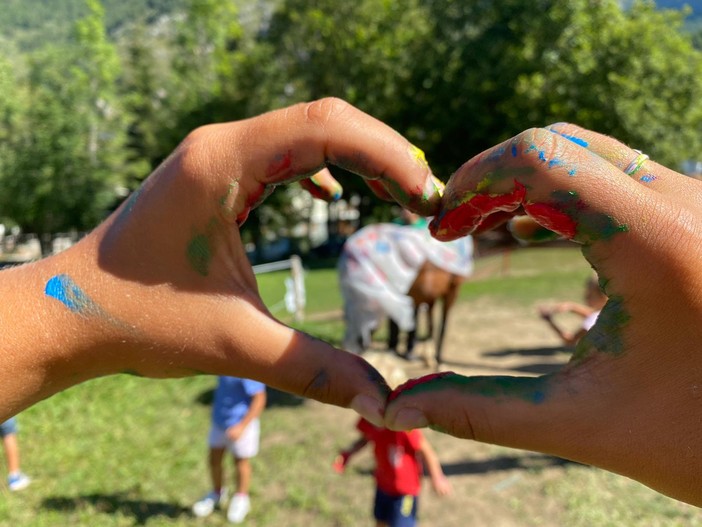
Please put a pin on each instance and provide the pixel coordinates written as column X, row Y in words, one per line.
column 298, row 287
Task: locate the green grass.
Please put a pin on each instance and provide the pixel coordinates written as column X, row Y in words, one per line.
column 126, row 451
column 528, row 275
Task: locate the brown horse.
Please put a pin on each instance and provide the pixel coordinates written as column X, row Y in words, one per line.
column 432, row 284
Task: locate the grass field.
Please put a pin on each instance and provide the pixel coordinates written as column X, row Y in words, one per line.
column 123, row 451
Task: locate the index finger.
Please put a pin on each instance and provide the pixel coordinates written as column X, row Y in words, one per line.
column 296, row 142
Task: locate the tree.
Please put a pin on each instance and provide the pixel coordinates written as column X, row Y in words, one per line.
column 71, row 161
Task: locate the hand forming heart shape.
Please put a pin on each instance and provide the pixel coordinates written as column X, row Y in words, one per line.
column 163, row 288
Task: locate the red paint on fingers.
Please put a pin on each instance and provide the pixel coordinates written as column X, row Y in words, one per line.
column 281, row 168
column 466, row 217
column 552, row 218
column 416, row 382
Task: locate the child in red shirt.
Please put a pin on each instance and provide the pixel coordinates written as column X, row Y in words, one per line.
column 398, row 457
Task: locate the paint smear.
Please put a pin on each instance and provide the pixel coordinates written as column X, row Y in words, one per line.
column 465, row 217
column 530, row 389
column 199, row 254
column 552, row 219
column 418, row 155
column 606, row 335
column 281, row 167
column 577, row 140
column 65, row 290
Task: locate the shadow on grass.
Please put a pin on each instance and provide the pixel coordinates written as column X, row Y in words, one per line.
column 495, row 464
column 275, row 398
column 120, row 503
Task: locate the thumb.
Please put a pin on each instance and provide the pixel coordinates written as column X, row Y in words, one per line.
column 564, row 414
column 295, row 362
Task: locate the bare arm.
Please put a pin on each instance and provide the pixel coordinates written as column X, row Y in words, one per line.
column 258, row 404
column 439, row 482
column 345, row 455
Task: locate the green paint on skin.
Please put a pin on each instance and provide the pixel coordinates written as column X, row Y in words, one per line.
column 228, row 207
column 376, row 378
column 606, row 335
column 530, row 389
column 439, row 429
column 357, row 163
column 200, row 254
column 200, row 249
column 591, row 226
column 542, row 234
column 397, row 192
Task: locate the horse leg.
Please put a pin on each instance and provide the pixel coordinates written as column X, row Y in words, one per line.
column 393, row 335
column 412, row 335
column 447, row 302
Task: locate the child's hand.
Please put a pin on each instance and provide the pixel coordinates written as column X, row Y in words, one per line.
column 340, row 462
column 629, row 399
column 234, row 432
column 442, row 486
column 545, row 312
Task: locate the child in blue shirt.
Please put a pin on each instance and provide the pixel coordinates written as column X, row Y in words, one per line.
column 238, row 403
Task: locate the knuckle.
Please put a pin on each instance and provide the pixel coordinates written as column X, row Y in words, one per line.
column 323, row 110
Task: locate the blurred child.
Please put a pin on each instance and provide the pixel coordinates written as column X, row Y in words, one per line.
column 595, row 300
column 398, row 457
column 238, row 403
column 16, row 479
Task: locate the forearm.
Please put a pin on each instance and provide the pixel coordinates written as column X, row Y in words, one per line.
column 258, row 404
column 355, row 447
column 45, row 346
column 432, row 464
column 565, row 337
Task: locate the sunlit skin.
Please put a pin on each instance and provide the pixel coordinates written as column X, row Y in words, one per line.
column 629, row 399
column 629, row 402
column 169, row 265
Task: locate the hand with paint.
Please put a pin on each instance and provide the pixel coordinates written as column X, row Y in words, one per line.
column 629, row 399
column 163, row 287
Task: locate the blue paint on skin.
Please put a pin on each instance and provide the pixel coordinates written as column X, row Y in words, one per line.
column 541, row 153
column 66, row 291
column 553, row 162
column 514, row 150
column 496, row 155
column 576, row 140
column 648, row 178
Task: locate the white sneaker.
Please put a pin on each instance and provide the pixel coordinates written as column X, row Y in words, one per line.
column 239, row 507
column 18, row 481
column 208, row 504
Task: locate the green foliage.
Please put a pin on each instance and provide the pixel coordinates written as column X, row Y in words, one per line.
column 69, row 159
column 37, row 23
column 96, row 107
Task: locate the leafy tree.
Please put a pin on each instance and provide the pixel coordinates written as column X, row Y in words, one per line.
column 622, row 73
column 70, row 156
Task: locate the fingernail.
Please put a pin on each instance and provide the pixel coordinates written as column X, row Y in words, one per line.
column 409, row 418
column 372, row 410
